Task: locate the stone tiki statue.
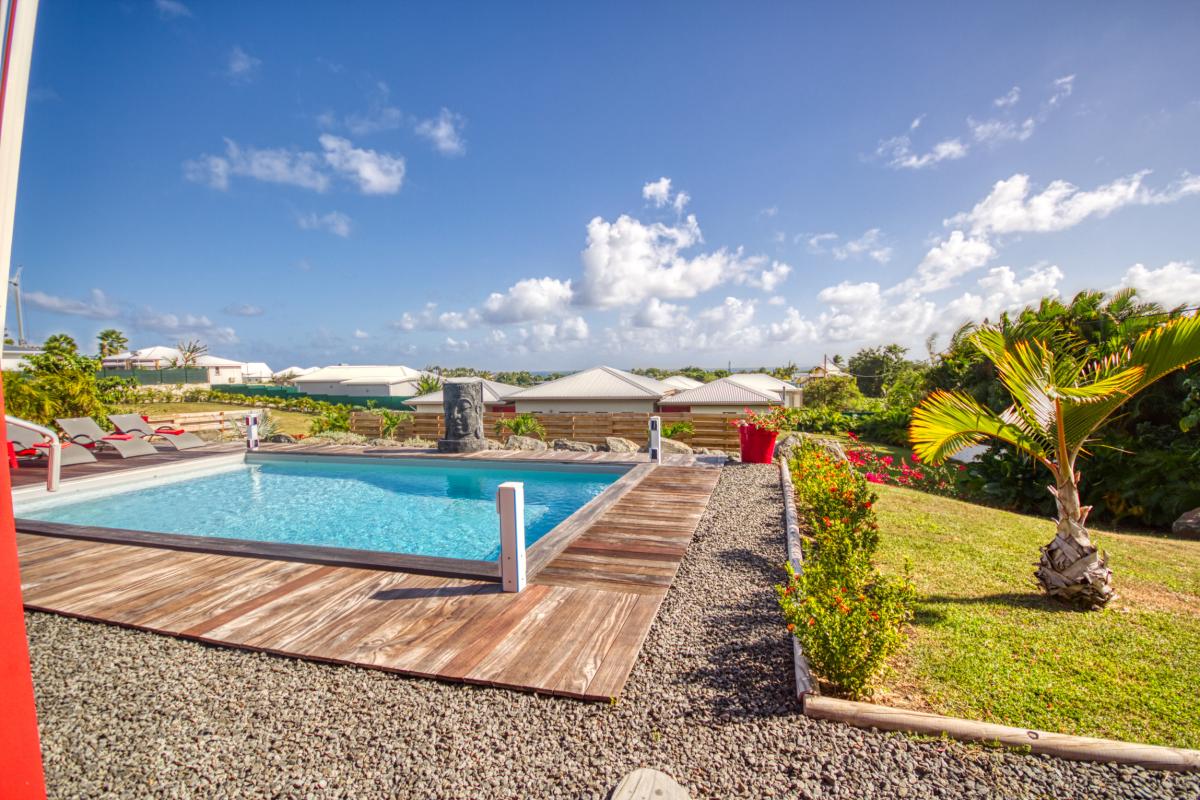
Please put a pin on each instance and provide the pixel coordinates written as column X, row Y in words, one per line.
column 462, row 403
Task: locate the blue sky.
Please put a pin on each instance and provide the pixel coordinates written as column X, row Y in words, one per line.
column 484, row 183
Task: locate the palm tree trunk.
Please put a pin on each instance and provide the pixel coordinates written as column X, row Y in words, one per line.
column 1071, row 569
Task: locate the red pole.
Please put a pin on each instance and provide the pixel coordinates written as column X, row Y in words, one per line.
column 20, row 749
column 21, row 775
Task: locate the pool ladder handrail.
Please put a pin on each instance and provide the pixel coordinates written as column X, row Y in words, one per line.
column 55, row 448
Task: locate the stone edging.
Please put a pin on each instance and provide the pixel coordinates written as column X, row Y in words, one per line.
column 871, row 715
column 805, row 684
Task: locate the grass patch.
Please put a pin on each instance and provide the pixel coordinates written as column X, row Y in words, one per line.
column 290, row 422
column 987, row 645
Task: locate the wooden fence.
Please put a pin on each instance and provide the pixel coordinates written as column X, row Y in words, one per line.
column 224, row 421
column 711, row 430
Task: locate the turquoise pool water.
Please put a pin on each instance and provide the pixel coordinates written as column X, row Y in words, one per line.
column 439, row 508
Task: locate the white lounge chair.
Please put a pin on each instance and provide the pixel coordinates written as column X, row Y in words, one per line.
column 176, row 437
column 27, row 444
column 84, row 431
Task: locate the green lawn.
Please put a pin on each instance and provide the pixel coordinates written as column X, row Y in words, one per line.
column 986, row 644
column 290, row 422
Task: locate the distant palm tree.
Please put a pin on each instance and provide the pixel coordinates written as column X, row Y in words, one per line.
column 112, row 341
column 189, row 355
column 59, row 343
column 1061, row 397
column 428, row 383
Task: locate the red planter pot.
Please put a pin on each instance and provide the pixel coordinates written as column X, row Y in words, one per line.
column 758, row 445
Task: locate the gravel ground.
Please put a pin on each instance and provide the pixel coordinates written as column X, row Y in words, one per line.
column 129, row 714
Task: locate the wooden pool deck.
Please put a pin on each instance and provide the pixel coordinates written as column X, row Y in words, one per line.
column 576, row 630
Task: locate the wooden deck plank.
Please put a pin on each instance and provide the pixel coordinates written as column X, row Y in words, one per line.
column 576, row 630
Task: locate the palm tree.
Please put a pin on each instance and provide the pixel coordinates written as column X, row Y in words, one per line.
column 1060, row 399
column 428, row 383
column 112, row 341
column 189, row 355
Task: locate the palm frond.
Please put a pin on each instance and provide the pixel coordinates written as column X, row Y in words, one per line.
column 1157, row 352
column 948, row 422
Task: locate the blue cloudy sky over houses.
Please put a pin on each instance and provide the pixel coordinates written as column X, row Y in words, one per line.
column 548, row 186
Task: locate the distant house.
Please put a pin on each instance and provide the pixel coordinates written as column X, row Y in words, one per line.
column 256, row 372
column 221, row 370
column 599, row 389
column 681, row 382
column 217, row 370
column 15, row 354
column 734, row 394
column 360, row 381
column 293, row 372
column 826, row 370
column 494, row 398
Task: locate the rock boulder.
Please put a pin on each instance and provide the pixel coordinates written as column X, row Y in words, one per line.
column 1188, row 524
column 617, row 444
column 571, row 444
column 525, row 443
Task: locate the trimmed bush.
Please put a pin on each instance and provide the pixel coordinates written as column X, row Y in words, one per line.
column 847, row 616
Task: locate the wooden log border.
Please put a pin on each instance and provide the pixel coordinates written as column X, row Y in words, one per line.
column 888, row 718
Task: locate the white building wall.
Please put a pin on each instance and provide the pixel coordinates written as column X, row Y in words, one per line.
column 583, row 406
column 355, row 390
column 219, row 375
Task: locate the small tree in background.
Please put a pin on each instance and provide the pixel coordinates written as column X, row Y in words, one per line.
column 428, row 383
column 111, row 342
column 1060, row 398
column 837, row 392
column 58, row 382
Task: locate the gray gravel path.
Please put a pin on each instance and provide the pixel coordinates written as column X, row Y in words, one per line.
column 129, row 714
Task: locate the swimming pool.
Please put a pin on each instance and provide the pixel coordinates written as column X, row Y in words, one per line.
column 441, row 508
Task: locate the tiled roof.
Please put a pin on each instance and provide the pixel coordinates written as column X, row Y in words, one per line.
column 493, row 392
column 726, row 392
column 597, row 383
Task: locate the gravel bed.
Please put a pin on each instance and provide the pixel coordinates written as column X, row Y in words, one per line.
column 130, row 714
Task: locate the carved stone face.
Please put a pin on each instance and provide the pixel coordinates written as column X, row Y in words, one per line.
column 464, row 410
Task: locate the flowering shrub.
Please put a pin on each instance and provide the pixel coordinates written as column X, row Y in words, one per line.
column 884, row 469
column 774, row 419
column 848, row 618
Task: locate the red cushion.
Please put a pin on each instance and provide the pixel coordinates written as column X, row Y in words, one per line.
column 171, row 431
column 123, row 437
column 47, row 444
column 28, row 451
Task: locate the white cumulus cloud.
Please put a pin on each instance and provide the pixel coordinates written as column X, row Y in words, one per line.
column 97, row 306
column 334, row 222
column 240, row 66
column 1013, row 207
column 374, row 172
column 1173, row 284
column 529, row 299
column 445, row 132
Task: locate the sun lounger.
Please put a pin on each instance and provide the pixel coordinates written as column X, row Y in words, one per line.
column 84, row 431
column 27, row 444
column 176, row 437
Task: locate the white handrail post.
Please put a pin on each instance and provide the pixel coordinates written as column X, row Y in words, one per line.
column 510, row 503
column 55, row 466
column 252, row 430
column 655, row 440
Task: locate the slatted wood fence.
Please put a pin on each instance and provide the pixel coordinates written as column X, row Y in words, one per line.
column 711, row 430
column 226, row 421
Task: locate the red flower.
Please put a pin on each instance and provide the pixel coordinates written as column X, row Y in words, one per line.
column 791, row 628
column 874, row 478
